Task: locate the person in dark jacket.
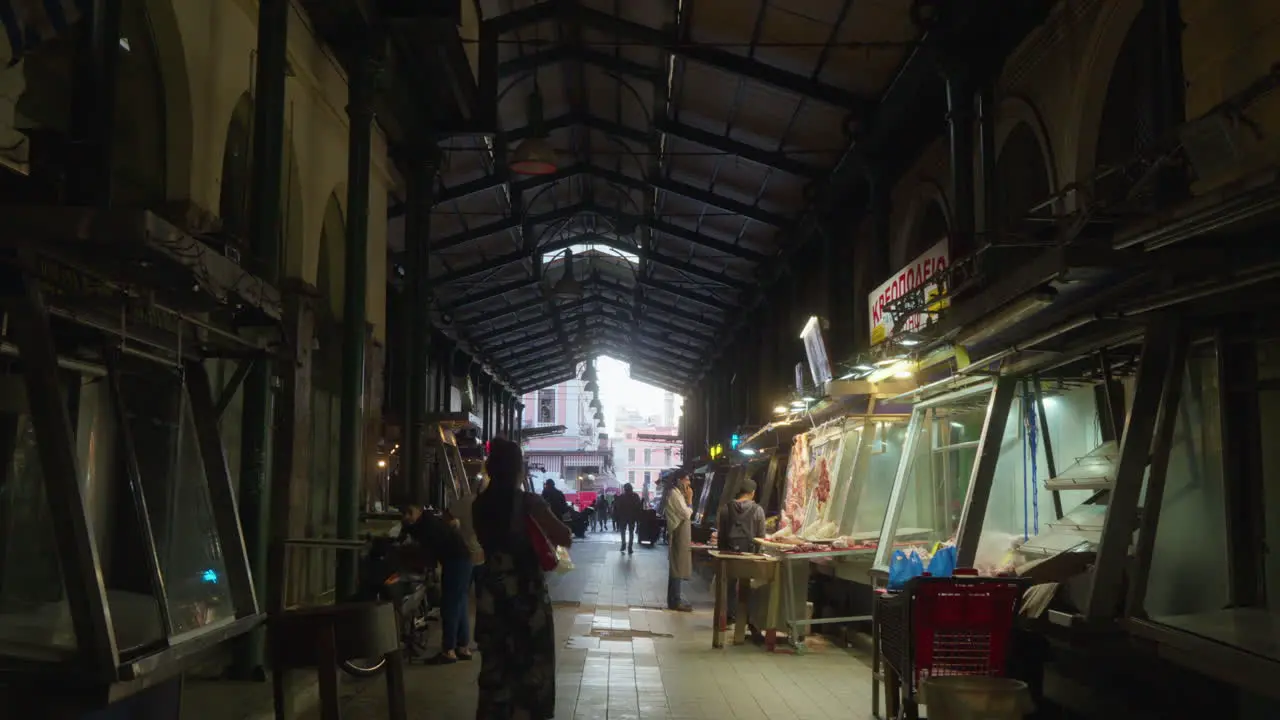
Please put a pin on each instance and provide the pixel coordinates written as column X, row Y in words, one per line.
column 626, row 510
column 741, row 521
column 555, row 499
column 443, row 543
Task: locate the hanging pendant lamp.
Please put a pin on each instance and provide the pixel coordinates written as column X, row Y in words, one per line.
column 592, row 386
column 535, row 155
column 567, row 287
column 595, row 403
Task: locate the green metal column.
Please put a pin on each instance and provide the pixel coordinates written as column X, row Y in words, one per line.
column 264, row 238
column 421, row 182
column 354, row 322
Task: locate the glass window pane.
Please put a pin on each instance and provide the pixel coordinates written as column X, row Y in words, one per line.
column 872, row 480
column 115, row 521
column 34, row 615
column 935, row 472
column 1189, row 568
column 177, row 493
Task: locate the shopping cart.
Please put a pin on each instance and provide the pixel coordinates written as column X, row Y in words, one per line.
column 945, row 627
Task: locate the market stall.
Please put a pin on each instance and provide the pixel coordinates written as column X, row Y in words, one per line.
column 837, row 494
column 122, row 558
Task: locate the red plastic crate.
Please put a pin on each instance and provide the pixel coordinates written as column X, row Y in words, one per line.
column 961, row 626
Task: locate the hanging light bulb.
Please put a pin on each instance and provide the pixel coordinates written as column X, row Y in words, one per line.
column 567, row 287
column 535, row 155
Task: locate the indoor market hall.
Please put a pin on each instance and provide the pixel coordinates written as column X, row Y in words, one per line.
column 621, row 655
column 931, row 346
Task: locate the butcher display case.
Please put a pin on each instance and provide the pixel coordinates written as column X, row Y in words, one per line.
column 931, row 481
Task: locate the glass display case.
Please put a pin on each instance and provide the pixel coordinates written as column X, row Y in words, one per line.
column 872, row 451
column 932, row 478
column 121, row 550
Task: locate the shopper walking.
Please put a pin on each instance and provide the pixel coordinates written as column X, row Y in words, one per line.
column 514, row 624
column 680, row 541
column 626, row 510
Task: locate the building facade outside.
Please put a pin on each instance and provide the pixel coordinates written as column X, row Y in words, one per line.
column 577, row 458
column 645, row 446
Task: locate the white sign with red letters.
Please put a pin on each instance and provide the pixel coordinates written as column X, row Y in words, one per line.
column 916, row 274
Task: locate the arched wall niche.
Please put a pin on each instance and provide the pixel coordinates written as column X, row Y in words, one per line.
column 329, row 270
column 236, row 184
column 927, row 220
column 1019, row 114
column 170, row 54
column 1022, row 179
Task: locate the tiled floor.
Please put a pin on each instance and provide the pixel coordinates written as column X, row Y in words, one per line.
column 622, row 657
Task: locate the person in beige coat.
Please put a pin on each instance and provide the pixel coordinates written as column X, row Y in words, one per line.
column 679, row 536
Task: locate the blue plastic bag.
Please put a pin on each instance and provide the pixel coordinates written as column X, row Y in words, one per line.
column 902, row 567
column 943, row 562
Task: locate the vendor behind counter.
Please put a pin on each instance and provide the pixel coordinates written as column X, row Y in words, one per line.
column 741, row 520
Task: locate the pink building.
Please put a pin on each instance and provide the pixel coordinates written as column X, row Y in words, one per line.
column 577, row 457
column 644, row 447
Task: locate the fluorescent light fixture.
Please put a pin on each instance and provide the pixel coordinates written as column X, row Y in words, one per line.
column 747, row 451
column 806, row 399
column 888, row 361
column 863, row 367
column 809, row 326
column 1008, row 316
column 904, row 374
column 908, row 342
column 780, row 410
column 849, row 376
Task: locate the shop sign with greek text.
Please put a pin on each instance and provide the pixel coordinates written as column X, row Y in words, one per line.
column 916, row 274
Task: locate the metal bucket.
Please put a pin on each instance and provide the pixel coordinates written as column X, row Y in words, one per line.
column 976, row 698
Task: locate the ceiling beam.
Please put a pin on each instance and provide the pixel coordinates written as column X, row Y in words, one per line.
column 502, row 312
column 686, row 294
column 545, row 379
column 571, row 53
column 671, row 310
column 718, row 58
column 495, row 292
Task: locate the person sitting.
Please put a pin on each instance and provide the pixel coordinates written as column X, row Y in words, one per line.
column 741, row 521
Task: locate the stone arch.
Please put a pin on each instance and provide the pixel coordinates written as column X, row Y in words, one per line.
column 179, row 120
column 1081, row 131
column 928, row 220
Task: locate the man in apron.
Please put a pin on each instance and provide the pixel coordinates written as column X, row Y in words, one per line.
column 679, row 519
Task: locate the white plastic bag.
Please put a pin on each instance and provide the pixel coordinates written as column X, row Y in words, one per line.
column 564, row 563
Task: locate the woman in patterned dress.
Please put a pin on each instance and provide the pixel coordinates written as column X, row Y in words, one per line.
column 514, row 626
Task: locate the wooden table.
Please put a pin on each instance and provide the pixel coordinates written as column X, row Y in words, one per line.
column 743, row 566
